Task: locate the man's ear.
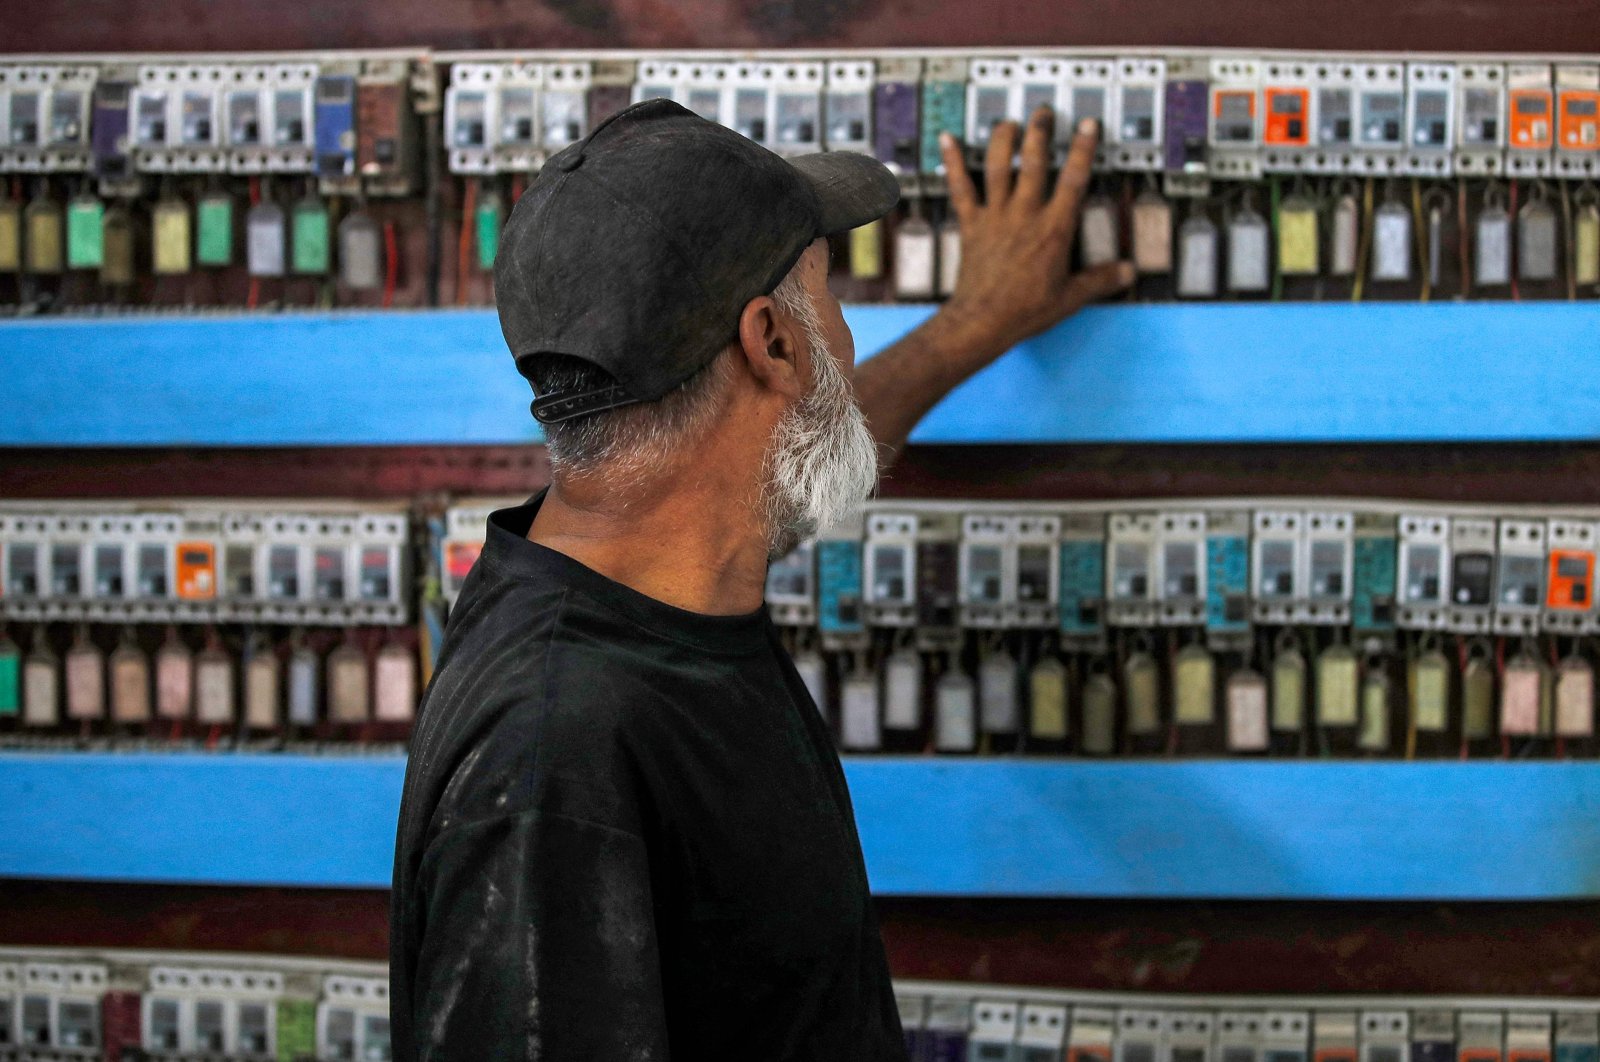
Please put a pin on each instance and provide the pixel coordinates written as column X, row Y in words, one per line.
column 771, row 348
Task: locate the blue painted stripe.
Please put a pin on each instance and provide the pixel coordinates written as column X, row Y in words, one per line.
column 1191, row 829
column 1126, row 373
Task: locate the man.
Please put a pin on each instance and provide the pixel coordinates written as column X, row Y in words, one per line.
column 625, row 834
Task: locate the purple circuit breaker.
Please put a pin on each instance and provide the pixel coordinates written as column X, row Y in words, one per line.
column 109, row 125
column 1186, row 127
column 895, row 138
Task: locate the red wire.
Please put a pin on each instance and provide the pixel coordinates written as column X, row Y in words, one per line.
column 391, row 272
column 254, row 297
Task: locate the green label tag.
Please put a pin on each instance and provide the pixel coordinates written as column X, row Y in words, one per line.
column 9, row 686
column 310, row 237
column 86, row 247
column 488, row 231
column 214, row 238
column 297, row 1030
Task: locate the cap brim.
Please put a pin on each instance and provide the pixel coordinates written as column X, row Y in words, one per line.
column 853, row 189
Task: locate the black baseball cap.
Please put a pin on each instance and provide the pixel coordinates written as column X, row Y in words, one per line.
column 637, row 248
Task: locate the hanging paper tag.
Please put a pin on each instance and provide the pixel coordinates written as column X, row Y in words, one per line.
column 1297, row 237
column 1099, row 714
column 1194, row 687
column 1429, row 686
column 1374, row 736
column 1477, row 699
column 1097, row 231
column 1520, row 695
column 955, row 726
column 1141, row 683
column 859, row 728
column 914, row 275
column 1248, row 237
column 1197, row 259
column 1391, row 243
column 1574, row 698
column 1337, row 669
column 1491, row 265
column 1152, row 234
column 1288, row 690
column 1047, row 702
column 1346, row 236
column 1247, row 711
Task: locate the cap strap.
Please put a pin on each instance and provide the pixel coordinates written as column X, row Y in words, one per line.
column 567, row 405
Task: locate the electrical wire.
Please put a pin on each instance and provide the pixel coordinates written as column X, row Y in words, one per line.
column 391, row 263
column 1570, row 259
column 1275, row 193
column 1511, row 216
column 1365, row 243
column 469, row 203
column 1420, row 241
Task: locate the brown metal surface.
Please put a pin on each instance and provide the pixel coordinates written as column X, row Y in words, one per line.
column 196, row 25
column 1535, row 473
column 1459, row 949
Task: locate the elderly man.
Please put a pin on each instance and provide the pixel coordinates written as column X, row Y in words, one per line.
column 625, row 833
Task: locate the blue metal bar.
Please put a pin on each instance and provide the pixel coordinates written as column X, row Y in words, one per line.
column 1190, row 829
column 1242, row 372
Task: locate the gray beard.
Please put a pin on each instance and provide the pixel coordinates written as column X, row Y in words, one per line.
column 822, row 461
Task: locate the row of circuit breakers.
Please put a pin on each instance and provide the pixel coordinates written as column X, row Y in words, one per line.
column 301, row 563
column 354, row 121
column 153, row 1005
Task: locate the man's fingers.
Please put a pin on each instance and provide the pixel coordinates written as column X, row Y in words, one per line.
column 1092, row 285
column 963, row 196
column 1035, row 169
column 997, row 165
column 1074, row 179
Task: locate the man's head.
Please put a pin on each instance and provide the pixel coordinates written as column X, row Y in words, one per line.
column 663, row 286
column 780, row 392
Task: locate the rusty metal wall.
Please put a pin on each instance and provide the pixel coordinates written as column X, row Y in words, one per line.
column 195, row 25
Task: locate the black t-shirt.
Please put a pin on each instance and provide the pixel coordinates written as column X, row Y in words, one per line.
column 625, row 835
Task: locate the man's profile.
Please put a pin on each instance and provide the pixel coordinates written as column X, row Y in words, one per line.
column 625, row 832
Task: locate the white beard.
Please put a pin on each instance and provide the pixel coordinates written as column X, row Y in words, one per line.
column 822, row 461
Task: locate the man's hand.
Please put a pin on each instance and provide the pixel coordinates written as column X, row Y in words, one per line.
column 1016, row 277
column 1016, row 244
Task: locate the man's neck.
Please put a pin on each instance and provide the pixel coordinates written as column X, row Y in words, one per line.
column 692, row 545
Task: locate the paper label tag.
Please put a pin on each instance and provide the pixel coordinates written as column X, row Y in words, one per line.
column 394, row 683
column 1374, row 734
column 261, row 691
column 303, row 688
column 1536, row 241
column 1047, row 701
column 214, row 230
column 866, row 251
column 213, row 688
column 1248, row 238
column 347, row 685
column 10, row 678
column 858, row 712
column 1099, row 715
column 264, row 241
column 1586, row 245
column 310, row 237
column 914, row 276
column 1097, row 232
column 1247, row 711
column 997, row 694
column 170, row 238
column 174, row 682
column 1297, row 237
column 1477, row 700
column 130, row 686
column 1346, row 233
column 1194, row 682
column 86, row 683
column 1575, row 698
column 1519, row 697
column 10, row 236
column 1430, row 692
column 902, row 688
column 1336, row 687
column 955, row 728
column 1391, row 243
column 1142, row 685
column 1288, row 691
column 41, row 694
column 1197, row 259
column 117, row 266
column 1152, row 234
column 1491, row 264
column 86, row 246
